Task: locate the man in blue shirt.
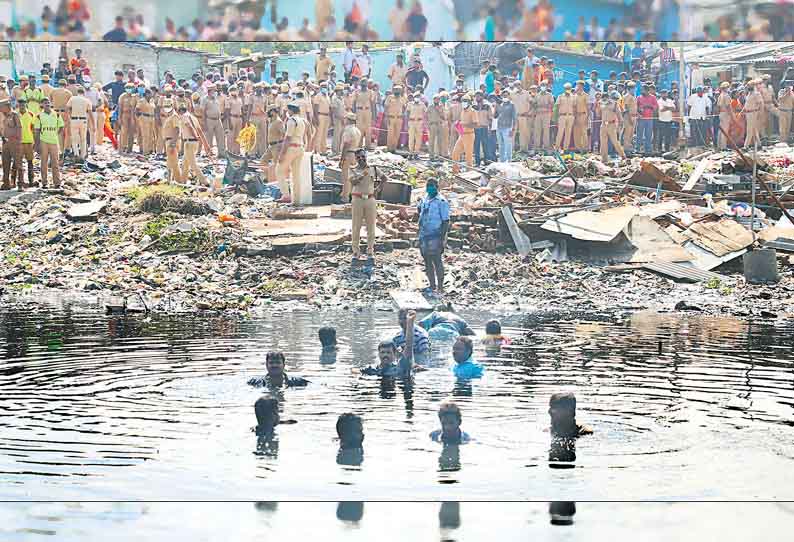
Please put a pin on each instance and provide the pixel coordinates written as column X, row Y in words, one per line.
column 116, row 88
column 490, row 78
column 465, row 367
column 421, row 340
column 433, row 228
column 637, row 56
column 442, row 323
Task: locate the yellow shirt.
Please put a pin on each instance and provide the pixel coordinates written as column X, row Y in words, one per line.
column 28, row 120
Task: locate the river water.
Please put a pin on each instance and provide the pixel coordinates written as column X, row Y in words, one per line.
column 387, row 521
column 96, row 407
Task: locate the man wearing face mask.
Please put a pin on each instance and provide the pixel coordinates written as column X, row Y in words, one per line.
column 322, row 65
column 581, row 111
column 362, row 107
column 484, row 116
column 163, row 108
column 126, row 118
column 338, row 116
column 394, row 107
column 433, row 229
column 521, row 100
column 258, row 117
column 213, row 121
column 322, row 112
column 170, row 133
column 197, row 109
column 629, row 116
column 468, row 122
column 296, row 137
column 283, row 99
column 398, row 70
column 416, row 111
column 753, row 108
column 234, row 112
column 364, row 205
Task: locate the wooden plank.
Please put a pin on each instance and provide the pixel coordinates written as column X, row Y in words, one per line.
column 695, row 176
column 410, row 299
column 520, row 239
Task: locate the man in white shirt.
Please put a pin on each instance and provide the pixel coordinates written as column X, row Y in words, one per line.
column 695, row 77
column 347, row 60
column 364, row 61
column 699, row 106
column 666, row 128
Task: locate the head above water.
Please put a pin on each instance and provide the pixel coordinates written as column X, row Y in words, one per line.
column 493, row 327
column 266, row 410
column 462, row 349
column 450, row 416
column 327, row 336
column 350, row 430
column 387, row 352
column 274, row 362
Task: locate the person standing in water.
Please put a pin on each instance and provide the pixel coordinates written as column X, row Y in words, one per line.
column 276, row 377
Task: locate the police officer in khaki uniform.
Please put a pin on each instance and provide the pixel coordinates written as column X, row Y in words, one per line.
column 785, row 106
column 629, row 116
column 213, row 113
column 192, row 137
column 79, row 111
column 163, row 109
column 234, row 112
column 274, row 139
column 45, row 86
column 11, row 131
column 453, row 116
column 724, row 109
column 144, row 112
column 338, row 113
column 565, row 110
column 351, row 140
column 393, row 111
column 416, row 112
column 465, row 143
column 610, row 119
column 258, row 118
column 126, row 118
column 768, row 94
column 170, row 140
column 520, row 99
column 436, row 127
column 753, row 110
column 296, row 136
column 580, row 120
column 364, row 205
column 59, row 98
column 362, row 107
column 544, row 106
column 283, row 99
column 322, row 114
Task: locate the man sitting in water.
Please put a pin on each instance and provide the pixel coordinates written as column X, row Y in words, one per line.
column 562, row 410
column 443, row 324
column 421, row 343
column 450, row 433
column 327, row 337
column 350, row 431
column 276, row 377
column 493, row 335
column 465, row 367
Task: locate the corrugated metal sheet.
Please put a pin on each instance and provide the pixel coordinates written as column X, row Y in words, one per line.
column 684, row 273
column 593, row 226
column 786, row 245
column 720, row 238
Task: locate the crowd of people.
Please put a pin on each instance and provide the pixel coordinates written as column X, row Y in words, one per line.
column 500, row 20
column 62, row 114
column 402, row 357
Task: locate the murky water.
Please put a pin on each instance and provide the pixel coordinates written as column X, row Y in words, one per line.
column 101, row 407
column 387, row 521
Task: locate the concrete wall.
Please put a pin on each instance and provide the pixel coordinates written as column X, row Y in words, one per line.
column 182, row 64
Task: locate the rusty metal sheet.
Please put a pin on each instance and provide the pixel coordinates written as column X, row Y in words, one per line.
column 682, row 272
column 593, row 225
column 720, row 238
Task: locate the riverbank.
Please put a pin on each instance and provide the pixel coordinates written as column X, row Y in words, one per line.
column 117, row 231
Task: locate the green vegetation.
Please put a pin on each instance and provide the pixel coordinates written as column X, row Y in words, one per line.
column 154, row 228
column 193, row 241
column 162, row 198
column 713, row 284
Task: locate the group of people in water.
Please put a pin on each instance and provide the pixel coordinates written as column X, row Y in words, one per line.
column 397, row 361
